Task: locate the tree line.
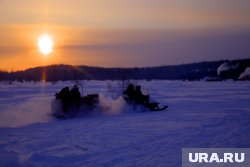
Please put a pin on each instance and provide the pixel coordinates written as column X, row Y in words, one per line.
column 62, row 72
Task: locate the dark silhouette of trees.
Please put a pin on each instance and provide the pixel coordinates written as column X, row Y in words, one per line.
column 193, row 71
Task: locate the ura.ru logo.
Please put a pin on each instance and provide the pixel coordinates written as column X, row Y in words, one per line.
column 215, row 158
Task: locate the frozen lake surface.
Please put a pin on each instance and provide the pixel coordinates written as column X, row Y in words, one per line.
column 200, row 114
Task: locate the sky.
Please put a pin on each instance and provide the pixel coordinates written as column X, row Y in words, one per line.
column 118, row 33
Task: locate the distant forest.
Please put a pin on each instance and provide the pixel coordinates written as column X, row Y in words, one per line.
column 193, row 71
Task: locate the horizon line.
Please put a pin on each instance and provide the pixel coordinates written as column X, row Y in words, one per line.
column 12, row 70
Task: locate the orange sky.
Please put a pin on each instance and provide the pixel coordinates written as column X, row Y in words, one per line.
column 123, row 33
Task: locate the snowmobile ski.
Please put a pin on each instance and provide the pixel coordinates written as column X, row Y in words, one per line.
column 159, row 109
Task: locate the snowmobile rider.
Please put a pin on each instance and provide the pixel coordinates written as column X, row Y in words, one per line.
column 69, row 98
column 129, row 93
column 75, row 93
column 141, row 98
column 135, row 95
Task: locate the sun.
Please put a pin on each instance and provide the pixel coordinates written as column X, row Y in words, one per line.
column 45, row 44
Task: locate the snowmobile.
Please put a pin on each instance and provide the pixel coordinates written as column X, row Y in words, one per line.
column 134, row 96
column 70, row 103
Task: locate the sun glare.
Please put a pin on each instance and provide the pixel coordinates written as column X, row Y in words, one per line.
column 45, row 44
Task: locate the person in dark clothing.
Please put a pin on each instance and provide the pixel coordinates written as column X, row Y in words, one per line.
column 69, row 98
column 75, row 93
column 129, row 92
column 139, row 98
column 63, row 94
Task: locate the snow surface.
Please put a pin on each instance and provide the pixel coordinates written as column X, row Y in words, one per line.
column 200, row 114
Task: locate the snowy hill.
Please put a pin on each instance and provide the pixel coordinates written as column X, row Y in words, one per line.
column 200, row 114
column 192, row 71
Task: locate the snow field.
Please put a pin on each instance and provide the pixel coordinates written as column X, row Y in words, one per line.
column 200, row 114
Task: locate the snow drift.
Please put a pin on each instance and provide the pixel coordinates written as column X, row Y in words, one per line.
column 245, row 74
column 226, row 66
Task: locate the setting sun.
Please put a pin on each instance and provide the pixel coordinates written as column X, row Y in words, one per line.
column 45, row 44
